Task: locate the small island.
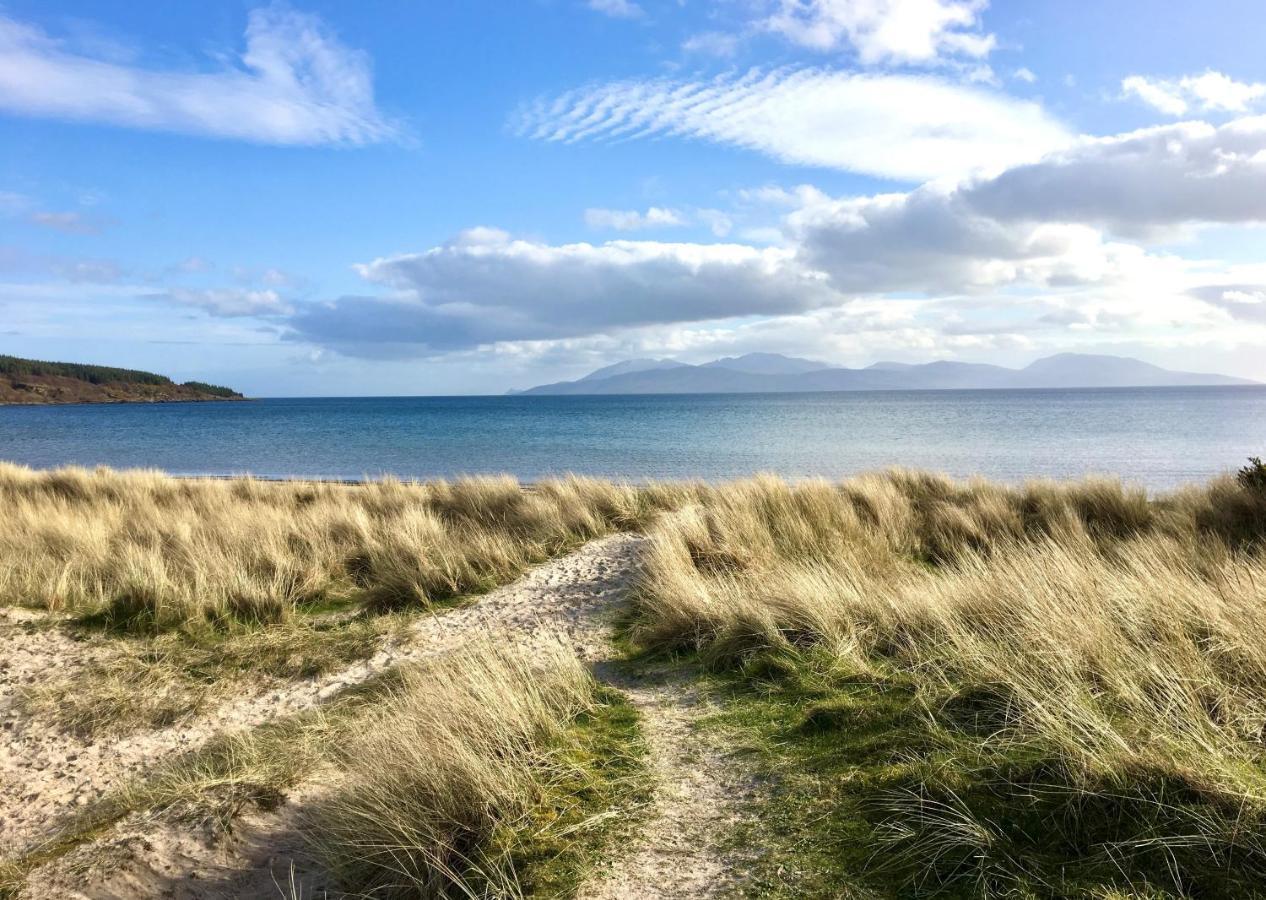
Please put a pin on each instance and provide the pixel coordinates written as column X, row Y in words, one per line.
column 34, row 382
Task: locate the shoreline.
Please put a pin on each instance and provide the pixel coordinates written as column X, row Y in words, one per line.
column 531, row 483
column 128, row 402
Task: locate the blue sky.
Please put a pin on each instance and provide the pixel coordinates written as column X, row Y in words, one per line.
column 404, row 198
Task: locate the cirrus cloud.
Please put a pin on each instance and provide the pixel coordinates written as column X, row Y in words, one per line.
column 905, row 127
column 294, row 83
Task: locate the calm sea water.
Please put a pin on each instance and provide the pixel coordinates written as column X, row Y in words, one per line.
column 1159, row 437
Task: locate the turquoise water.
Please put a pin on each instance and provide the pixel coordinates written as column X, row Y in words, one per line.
column 1159, row 437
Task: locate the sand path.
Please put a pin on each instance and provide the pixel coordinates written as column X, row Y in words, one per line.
column 46, row 774
column 699, row 796
column 573, row 597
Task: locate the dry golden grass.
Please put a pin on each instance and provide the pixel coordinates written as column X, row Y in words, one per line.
column 1120, row 638
column 498, row 769
column 145, row 550
column 151, row 681
column 462, row 750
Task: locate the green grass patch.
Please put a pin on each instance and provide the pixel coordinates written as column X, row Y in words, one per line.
column 596, row 790
column 876, row 790
column 596, row 801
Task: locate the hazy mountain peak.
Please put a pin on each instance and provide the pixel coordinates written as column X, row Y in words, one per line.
column 775, row 373
column 1085, row 359
column 631, row 365
column 766, row 364
column 1102, row 370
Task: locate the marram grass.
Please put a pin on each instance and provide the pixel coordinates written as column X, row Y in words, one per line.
column 1081, row 672
column 1047, row 690
column 143, row 550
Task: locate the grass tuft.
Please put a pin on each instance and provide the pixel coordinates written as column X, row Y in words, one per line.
column 142, row 552
column 1046, row 690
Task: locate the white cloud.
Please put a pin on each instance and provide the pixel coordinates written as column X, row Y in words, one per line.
column 934, row 242
column 1216, row 91
column 886, row 31
column 277, row 278
column 230, row 302
column 717, row 221
column 1136, row 183
column 1024, row 74
column 895, row 126
column 1039, row 224
column 485, row 287
column 632, row 220
column 294, row 84
column 617, row 9
column 1034, row 257
column 1156, row 95
column 1210, row 92
column 1241, row 302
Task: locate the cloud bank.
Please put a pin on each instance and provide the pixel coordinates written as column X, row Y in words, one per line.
column 1037, row 247
column 486, row 287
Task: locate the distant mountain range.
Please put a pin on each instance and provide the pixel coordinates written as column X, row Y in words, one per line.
column 774, row 373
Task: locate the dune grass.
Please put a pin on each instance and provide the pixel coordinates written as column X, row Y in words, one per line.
column 487, row 773
column 136, row 682
column 957, row 688
column 499, row 769
column 207, row 586
column 143, row 551
column 1054, row 689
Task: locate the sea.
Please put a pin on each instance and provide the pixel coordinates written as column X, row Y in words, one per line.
column 1159, row 438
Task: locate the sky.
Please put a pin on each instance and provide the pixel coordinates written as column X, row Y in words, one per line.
column 404, row 198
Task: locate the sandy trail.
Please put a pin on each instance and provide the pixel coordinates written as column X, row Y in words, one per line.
column 46, row 774
column 699, row 796
column 573, row 597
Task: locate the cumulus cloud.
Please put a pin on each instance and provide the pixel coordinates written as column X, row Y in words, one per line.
column 1135, row 183
column 886, row 31
column 295, row 83
column 230, row 302
column 717, row 221
column 633, row 220
column 484, row 287
column 934, row 242
column 895, row 126
column 1209, row 92
column 1240, row 301
column 988, row 262
column 1042, row 223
